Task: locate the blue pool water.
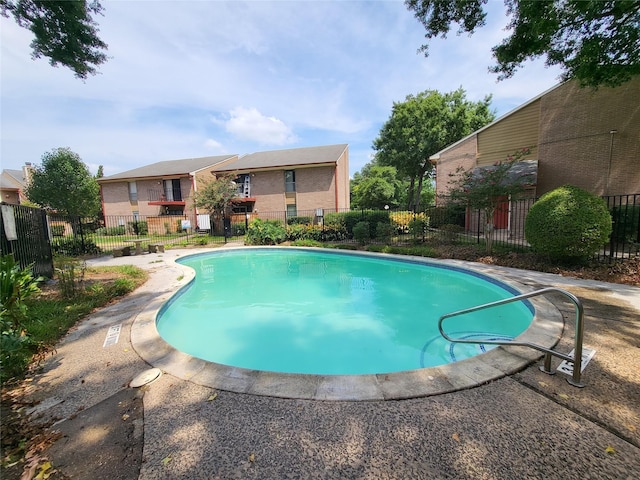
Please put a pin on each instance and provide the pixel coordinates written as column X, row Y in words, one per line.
column 319, row 312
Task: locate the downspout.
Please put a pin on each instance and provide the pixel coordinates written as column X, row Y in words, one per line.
column 612, row 133
column 195, row 189
column 335, row 174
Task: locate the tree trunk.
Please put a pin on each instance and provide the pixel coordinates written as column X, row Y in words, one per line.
column 418, row 193
column 410, row 194
column 488, row 229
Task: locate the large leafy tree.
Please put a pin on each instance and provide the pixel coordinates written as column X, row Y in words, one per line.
column 63, row 183
column 64, row 31
column 375, row 186
column 596, row 42
column 423, row 125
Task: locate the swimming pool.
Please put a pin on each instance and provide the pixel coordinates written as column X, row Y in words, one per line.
column 320, row 312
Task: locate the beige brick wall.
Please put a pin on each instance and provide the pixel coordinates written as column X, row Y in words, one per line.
column 116, row 201
column 268, row 189
column 10, row 196
column 576, row 143
column 462, row 156
column 316, row 188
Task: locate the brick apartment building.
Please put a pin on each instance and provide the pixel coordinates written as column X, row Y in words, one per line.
column 289, row 180
column 578, row 136
column 13, row 184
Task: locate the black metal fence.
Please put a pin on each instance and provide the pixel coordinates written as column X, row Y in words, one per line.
column 625, row 237
column 455, row 224
column 72, row 235
column 624, row 241
column 32, row 236
column 25, row 234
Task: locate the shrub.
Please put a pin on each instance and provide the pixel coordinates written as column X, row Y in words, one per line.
column 418, row 226
column 451, row 214
column 111, row 231
column 138, row 228
column 121, row 286
column 372, row 217
column 384, row 231
column 335, row 220
column 238, row 229
column 299, row 221
column 626, row 223
column 419, row 251
column 331, row 234
column 57, row 230
column 70, row 274
column 16, row 285
column 449, row 233
column 74, row 247
column 90, row 226
column 297, row 231
column 568, row 224
column 306, row 243
column 402, row 220
column 265, row 232
column 362, row 232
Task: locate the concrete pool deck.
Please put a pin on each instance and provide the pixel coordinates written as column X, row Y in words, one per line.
column 520, row 423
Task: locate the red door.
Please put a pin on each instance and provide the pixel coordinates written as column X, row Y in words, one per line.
column 501, row 215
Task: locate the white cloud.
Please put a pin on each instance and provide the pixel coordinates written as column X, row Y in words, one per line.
column 250, row 124
column 211, row 143
column 194, row 80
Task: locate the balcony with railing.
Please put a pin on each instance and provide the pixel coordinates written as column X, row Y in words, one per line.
column 244, row 187
column 171, row 196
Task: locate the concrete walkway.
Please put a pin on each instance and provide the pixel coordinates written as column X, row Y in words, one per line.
column 525, row 425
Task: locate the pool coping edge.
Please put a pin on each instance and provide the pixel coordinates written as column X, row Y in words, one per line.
column 492, row 365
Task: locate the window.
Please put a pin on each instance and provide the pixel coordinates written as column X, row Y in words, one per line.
column 243, row 182
column 289, row 181
column 292, row 211
column 172, row 192
column 133, row 192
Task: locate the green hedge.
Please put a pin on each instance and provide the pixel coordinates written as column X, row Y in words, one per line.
column 348, row 220
column 568, row 224
column 266, row 232
column 626, row 223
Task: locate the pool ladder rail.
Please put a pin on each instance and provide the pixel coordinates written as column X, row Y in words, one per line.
column 546, row 368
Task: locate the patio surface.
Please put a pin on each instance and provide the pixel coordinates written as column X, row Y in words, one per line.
column 523, row 425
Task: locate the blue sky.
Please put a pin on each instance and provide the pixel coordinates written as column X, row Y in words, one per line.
column 198, row 78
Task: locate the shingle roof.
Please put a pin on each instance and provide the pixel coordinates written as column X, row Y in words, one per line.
column 289, row 157
column 170, row 167
column 16, row 175
column 524, row 172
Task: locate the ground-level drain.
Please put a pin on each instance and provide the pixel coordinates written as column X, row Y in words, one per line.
column 146, row 377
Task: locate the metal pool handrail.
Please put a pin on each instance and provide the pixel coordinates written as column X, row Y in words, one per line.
column 577, row 356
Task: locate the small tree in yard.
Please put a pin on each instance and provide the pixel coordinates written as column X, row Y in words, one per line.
column 216, row 196
column 485, row 189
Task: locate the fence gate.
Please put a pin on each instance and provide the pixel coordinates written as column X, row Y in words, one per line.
column 25, row 234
